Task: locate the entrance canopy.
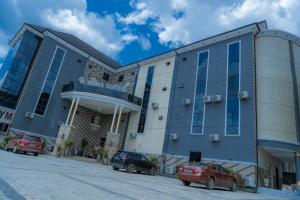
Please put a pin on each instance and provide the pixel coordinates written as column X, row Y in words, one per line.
column 100, row 103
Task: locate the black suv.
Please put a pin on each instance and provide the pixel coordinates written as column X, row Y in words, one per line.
column 132, row 162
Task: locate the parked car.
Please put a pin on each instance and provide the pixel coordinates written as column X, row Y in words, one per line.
column 211, row 175
column 132, row 162
column 25, row 143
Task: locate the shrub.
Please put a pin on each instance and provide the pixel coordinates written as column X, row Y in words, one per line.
column 154, row 160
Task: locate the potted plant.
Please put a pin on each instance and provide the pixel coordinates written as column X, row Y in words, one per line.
column 68, row 144
column 58, row 151
column 99, row 152
column 83, row 145
column 105, row 157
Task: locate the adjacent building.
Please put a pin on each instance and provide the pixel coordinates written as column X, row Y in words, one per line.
column 231, row 99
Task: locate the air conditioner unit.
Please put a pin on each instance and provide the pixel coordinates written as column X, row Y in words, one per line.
column 29, row 115
column 173, row 136
column 243, row 95
column 187, row 102
column 132, row 135
column 170, row 170
column 214, row 138
column 207, row 99
column 216, row 98
column 155, row 106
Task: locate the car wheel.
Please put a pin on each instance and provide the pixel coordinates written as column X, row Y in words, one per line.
column 153, row 171
column 130, row 168
column 6, row 148
column 186, row 183
column 210, row 183
column 15, row 149
column 116, row 168
column 233, row 186
column 35, row 154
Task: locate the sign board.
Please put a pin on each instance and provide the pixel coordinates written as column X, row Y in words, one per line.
column 6, row 115
column 95, row 83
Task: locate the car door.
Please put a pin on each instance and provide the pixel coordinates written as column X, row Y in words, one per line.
column 217, row 175
column 138, row 162
column 224, row 176
column 146, row 164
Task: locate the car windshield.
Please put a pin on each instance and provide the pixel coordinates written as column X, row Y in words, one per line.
column 32, row 138
column 121, row 154
column 199, row 164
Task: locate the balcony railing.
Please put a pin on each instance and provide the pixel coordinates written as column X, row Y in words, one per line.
column 101, row 91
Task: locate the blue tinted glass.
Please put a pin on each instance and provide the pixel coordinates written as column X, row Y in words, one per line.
column 14, row 70
column 49, row 83
column 232, row 115
column 200, row 92
column 146, row 96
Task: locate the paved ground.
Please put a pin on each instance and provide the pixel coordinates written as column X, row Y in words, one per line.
column 45, row 177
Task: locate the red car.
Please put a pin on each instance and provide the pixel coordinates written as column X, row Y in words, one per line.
column 25, row 143
column 211, row 175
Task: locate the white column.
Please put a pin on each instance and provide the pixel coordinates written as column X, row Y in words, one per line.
column 69, row 114
column 74, row 112
column 113, row 120
column 119, row 119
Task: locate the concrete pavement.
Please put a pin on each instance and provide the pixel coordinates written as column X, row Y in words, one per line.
column 49, row 178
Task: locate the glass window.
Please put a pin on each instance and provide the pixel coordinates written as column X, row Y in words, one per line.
column 16, row 67
column 50, row 81
column 145, row 102
column 198, row 113
column 233, row 78
column 105, row 76
column 121, row 78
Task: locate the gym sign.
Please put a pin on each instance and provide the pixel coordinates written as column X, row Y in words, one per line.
column 6, row 115
column 95, row 83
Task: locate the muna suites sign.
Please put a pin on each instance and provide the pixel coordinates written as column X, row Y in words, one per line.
column 98, row 84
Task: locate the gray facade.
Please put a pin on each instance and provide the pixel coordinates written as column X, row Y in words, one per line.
column 180, row 116
column 57, row 108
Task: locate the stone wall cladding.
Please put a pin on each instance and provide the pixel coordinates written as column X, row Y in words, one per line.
column 96, row 71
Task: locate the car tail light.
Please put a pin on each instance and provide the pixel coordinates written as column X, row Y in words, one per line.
column 21, row 143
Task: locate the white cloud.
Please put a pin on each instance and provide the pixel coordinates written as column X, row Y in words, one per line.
column 100, row 32
column 3, row 44
column 145, row 43
column 129, row 38
column 201, row 19
column 69, row 16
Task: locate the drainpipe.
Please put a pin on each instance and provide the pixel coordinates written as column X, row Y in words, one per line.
column 255, row 103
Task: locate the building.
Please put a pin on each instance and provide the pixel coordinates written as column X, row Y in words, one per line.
column 232, row 99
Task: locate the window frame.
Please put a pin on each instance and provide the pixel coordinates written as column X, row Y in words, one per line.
column 239, row 113
column 121, row 77
column 104, row 75
column 45, row 79
column 204, row 105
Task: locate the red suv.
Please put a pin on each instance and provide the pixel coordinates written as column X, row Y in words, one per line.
column 25, row 143
column 208, row 174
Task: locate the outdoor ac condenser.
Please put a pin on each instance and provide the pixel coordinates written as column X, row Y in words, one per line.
column 207, row 99
column 29, row 115
column 214, row 138
column 216, row 98
column 243, row 95
column 170, row 170
column 187, row 102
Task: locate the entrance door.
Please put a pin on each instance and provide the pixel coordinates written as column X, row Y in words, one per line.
column 276, row 178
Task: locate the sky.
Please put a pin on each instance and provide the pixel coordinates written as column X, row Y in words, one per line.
column 131, row 30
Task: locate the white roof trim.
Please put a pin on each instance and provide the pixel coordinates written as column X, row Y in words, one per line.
column 280, row 33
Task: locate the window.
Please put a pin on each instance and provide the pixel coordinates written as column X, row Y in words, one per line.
column 105, row 76
column 200, row 91
column 146, row 97
column 233, row 83
column 50, row 81
column 121, row 78
column 16, row 67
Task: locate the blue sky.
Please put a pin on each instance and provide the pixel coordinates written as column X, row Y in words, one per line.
column 130, row 30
